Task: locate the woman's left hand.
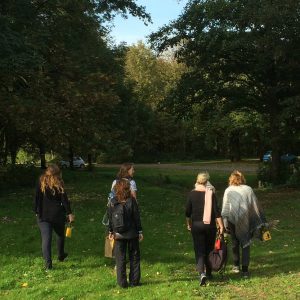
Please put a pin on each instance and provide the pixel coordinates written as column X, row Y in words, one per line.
column 221, row 230
column 71, row 218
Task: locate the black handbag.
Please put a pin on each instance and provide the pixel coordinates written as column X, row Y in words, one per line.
column 217, row 258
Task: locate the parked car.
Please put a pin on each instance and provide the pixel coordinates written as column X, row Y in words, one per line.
column 267, row 156
column 78, row 162
column 287, row 158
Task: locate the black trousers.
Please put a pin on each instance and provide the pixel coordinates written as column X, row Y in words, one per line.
column 236, row 245
column 120, row 249
column 204, row 241
column 46, row 229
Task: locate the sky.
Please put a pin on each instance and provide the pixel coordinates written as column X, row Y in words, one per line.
column 132, row 30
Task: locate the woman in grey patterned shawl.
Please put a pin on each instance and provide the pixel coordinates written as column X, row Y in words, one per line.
column 242, row 217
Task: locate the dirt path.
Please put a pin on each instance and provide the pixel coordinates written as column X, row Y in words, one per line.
column 246, row 167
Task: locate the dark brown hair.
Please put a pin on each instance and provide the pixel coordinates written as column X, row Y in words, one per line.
column 122, row 190
column 123, row 172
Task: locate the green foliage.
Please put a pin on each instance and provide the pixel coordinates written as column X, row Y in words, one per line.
column 152, row 78
column 240, row 55
column 294, row 180
column 289, row 174
column 19, row 176
column 24, row 157
column 116, row 151
column 58, row 74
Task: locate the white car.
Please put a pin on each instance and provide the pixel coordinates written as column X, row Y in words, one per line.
column 78, row 162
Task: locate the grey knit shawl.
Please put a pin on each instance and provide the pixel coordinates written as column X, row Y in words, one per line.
column 240, row 208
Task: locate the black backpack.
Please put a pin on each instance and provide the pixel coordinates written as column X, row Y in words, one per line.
column 119, row 216
column 217, row 258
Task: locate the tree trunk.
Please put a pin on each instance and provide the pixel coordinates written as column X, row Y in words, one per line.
column 71, row 156
column 183, row 136
column 275, row 140
column 13, row 155
column 90, row 166
column 234, row 146
column 4, row 150
column 43, row 156
column 275, row 145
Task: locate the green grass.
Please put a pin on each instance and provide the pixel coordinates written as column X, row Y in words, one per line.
column 168, row 270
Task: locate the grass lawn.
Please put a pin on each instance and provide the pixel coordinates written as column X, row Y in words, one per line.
column 168, row 270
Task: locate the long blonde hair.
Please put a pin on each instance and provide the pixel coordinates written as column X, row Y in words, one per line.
column 52, row 179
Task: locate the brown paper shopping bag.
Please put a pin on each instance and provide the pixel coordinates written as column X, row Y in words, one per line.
column 109, row 246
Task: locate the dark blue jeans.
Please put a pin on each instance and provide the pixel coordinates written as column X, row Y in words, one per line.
column 46, row 229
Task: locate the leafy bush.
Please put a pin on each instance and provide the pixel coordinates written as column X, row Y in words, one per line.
column 264, row 173
column 117, row 152
column 289, row 174
column 294, row 179
column 19, row 176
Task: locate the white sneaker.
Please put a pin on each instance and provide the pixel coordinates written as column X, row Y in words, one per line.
column 203, row 279
column 236, row 269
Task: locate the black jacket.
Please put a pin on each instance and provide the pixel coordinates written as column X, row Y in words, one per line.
column 51, row 207
column 133, row 215
column 195, row 207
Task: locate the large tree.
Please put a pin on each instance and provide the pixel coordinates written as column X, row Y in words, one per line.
column 151, row 79
column 58, row 83
column 246, row 53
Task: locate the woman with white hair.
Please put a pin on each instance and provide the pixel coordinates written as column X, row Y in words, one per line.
column 202, row 212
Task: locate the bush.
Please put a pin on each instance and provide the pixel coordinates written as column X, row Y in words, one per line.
column 289, row 174
column 19, row 176
column 264, row 174
column 294, row 179
column 117, row 152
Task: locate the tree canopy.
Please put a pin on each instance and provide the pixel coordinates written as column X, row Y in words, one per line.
column 241, row 55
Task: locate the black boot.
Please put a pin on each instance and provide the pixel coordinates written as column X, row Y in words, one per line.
column 62, row 258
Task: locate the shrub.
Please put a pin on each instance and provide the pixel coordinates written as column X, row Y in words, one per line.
column 19, row 176
column 294, row 179
column 289, row 174
column 117, row 152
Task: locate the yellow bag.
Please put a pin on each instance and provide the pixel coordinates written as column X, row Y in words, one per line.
column 266, row 236
column 109, row 246
column 69, row 230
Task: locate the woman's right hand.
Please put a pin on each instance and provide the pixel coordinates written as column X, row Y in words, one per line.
column 111, row 236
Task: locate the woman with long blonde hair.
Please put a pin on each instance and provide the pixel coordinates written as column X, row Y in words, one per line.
column 51, row 206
